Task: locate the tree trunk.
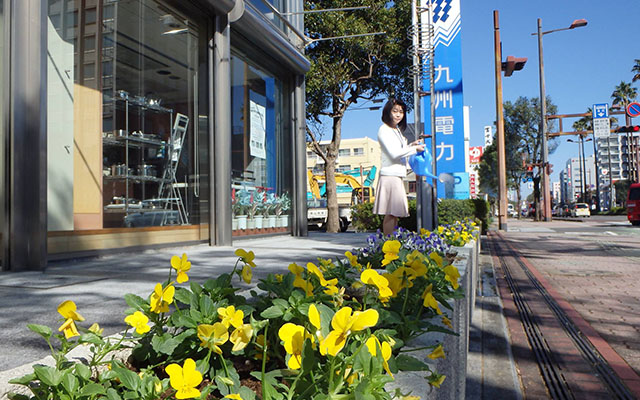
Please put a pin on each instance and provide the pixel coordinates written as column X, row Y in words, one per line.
column 519, row 199
column 333, row 217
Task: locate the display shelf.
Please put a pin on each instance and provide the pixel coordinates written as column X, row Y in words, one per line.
column 132, row 141
column 135, row 178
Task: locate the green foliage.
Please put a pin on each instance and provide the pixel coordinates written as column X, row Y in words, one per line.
column 327, row 331
column 449, row 211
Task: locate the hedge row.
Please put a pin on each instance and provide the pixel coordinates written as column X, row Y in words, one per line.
column 449, row 211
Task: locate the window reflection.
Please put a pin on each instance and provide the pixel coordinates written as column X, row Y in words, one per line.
column 260, row 181
column 122, row 91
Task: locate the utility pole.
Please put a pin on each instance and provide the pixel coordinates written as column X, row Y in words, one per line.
column 502, row 164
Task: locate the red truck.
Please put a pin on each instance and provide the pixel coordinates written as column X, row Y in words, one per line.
column 633, row 204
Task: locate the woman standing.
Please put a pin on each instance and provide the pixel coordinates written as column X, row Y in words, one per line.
column 391, row 200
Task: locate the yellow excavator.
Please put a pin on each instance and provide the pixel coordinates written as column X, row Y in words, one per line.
column 359, row 193
column 316, row 205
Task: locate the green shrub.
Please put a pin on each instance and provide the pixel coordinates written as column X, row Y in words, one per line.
column 449, row 211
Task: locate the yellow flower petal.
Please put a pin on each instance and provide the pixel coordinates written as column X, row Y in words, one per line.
column 68, row 310
column 314, row 316
column 438, row 352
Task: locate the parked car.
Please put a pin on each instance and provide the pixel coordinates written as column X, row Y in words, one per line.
column 633, row 204
column 580, row 210
column 511, row 211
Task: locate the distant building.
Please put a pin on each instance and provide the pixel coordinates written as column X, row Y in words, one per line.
column 353, row 154
column 571, row 177
column 555, row 191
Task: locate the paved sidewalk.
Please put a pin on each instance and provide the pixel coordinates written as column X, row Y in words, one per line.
column 98, row 286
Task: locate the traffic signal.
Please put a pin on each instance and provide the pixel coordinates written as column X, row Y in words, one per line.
column 549, row 169
column 513, row 64
column 629, row 128
column 529, row 168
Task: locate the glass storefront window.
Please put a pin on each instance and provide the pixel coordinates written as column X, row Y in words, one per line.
column 261, row 177
column 267, row 12
column 122, row 128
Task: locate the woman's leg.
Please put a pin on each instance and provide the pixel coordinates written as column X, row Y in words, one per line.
column 389, row 224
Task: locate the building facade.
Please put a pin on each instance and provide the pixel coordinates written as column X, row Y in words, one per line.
column 571, row 186
column 618, row 157
column 136, row 123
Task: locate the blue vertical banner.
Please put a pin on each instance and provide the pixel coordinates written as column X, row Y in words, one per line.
column 449, row 120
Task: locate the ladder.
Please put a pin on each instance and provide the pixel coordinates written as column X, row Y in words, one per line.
column 168, row 191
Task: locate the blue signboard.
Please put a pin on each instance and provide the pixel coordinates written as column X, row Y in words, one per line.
column 449, row 120
column 601, row 110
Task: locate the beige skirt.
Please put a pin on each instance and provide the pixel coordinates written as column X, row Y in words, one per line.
column 391, row 199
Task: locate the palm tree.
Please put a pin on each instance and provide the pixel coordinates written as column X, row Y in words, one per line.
column 623, row 94
column 636, row 71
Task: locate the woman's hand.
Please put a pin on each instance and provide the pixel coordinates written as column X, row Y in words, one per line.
column 416, row 143
column 419, row 147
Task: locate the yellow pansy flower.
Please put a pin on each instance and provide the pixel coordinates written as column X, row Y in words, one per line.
column 385, row 351
column 447, row 322
column 213, row 336
column 184, row 379
column 247, row 274
column 452, row 275
column 139, row 321
column 181, row 265
column 161, row 298
column 331, row 290
column 372, row 277
column 247, row 257
column 296, row 269
column 95, row 328
column 279, row 277
column 241, row 337
column 390, row 248
column 233, row 396
column 395, row 283
column 353, row 260
column 68, row 311
column 438, row 352
column 305, row 285
column 293, row 337
column 436, row 258
column 437, row 380
column 429, row 300
column 231, row 316
column 343, row 323
column 69, row 328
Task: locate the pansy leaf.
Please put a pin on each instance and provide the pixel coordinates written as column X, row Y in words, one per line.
column 180, row 318
column 206, row 306
column 92, row 338
column 41, row 330
column 129, row 379
column 195, row 288
column 272, row 312
column 93, row 389
column 183, row 295
column 135, row 301
column 409, row 363
column 308, row 356
column 48, row 375
column 24, row 380
column 70, row 382
column 83, row 371
column 246, row 393
column 164, row 344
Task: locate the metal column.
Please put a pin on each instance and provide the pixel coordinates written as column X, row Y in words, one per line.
column 220, row 146
column 25, row 245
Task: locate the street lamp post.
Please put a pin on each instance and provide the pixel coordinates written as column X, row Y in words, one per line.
column 543, row 112
column 595, row 161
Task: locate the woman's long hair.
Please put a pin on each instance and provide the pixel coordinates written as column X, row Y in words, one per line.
column 386, row 113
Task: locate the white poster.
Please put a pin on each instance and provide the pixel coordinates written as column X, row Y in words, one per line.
column 258, row 129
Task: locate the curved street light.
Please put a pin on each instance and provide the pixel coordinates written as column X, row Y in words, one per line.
column 543, row 112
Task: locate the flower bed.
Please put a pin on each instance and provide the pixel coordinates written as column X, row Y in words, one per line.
column 332, row 329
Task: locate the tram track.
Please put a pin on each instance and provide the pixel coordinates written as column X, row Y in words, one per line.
column 555, row 376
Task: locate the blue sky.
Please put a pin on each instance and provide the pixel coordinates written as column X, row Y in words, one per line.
column 582, row 66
